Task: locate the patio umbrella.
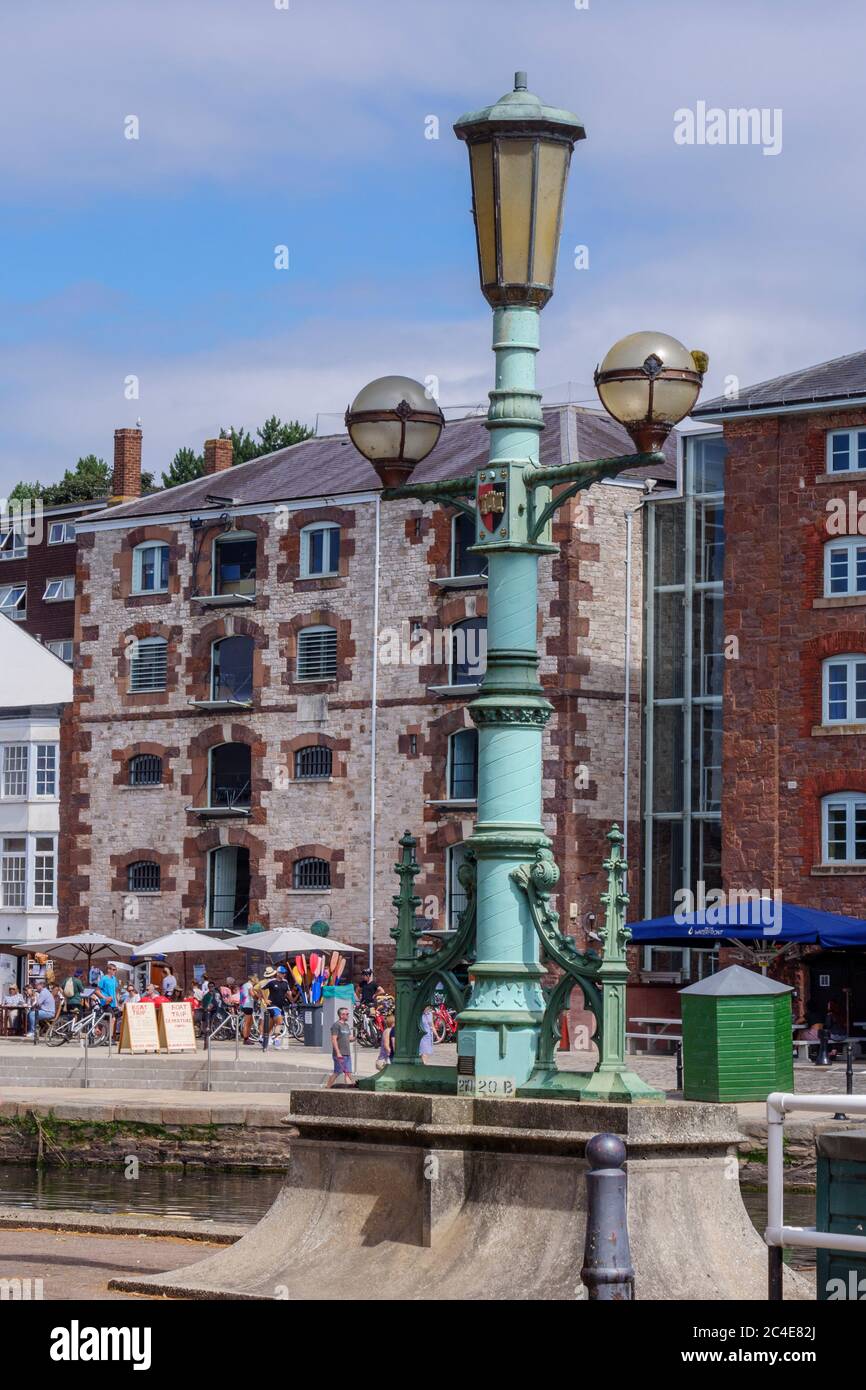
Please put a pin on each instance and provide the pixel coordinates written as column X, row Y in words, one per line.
column 85, row 946
column 183, row 943
column 289, row 941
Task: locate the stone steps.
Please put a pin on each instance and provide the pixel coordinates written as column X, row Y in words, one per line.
column 158, row 1073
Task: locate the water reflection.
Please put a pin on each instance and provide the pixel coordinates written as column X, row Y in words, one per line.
column 234, row 1198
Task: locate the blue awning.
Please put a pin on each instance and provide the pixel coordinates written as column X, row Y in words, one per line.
column 755, row 920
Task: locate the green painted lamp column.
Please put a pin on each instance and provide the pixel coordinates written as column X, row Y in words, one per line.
column 519, row 155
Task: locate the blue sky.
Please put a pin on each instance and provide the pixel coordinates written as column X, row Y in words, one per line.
column 305, row 126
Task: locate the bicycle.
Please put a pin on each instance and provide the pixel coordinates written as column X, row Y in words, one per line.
column 92, row 1026
column 444, row 1024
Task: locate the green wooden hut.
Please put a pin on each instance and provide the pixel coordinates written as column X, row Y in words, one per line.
column 737, row 1037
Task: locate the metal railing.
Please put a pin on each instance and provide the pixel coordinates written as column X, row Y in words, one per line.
column 778, row 1235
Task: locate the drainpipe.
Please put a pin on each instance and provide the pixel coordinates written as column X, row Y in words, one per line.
column 371, row 909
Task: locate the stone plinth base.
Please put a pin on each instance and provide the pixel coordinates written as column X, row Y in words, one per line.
column 395, row 1196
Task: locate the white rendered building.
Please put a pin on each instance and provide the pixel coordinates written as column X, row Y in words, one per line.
column 35, row 685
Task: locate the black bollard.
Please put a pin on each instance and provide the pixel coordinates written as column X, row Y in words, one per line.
column 607, row 1269
column 679, row 1048
column 849, row 1079
column 823, row 1058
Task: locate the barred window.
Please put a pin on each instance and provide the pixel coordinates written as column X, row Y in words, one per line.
column 142, row 877
column 148, row 665
column 317, row 654
column 312, row 763
column 46, row 769
column 311, row 873
column 145, row 770
column 15, row 766
column 45, row 872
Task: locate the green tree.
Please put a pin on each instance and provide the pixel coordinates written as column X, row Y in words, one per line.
column 184, row 467
column 270, row 436
column 88, row 481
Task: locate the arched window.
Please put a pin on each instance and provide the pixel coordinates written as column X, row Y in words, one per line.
column 150, row 568
column 145, row 770
column 230, row 776
column 463, row 765
column 313, row 763
column 148, row 664
column 844, row 692
column 845, row 567
column 843, row 828
column 232, row 669
column 143, row 876
column 468, row 651
column 320, row 550
column 311, row 873
column 234, row 563
column 463, row 562
column 317, row 654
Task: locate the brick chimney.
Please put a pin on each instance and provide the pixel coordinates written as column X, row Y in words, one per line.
column 217, row 455
column 126, row 482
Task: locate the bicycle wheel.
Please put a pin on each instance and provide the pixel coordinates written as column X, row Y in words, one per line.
column 58, row 1033
column 295, row 1026
column 440, row 1032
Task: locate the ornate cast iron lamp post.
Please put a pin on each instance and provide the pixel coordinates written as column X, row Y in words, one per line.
column 519, row 152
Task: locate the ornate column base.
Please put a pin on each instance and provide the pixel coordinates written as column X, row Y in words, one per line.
column 618, row 1083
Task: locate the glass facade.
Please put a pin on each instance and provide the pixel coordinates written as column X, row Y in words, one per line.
column 683, row 681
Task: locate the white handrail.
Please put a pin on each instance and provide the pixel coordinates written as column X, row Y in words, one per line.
column 779, row 1104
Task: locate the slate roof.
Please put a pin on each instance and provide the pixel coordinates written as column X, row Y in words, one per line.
column 329, row 466
column 838, row 379
column 736, row 981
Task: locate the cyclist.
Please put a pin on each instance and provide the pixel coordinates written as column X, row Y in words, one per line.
column 369, row 986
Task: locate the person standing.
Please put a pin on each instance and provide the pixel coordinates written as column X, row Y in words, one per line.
column 169, row 983
column 106, row 991
column 386, row 1045
column 246, row 1005
column 275, row 987
column 342, row 1037
column 368, row 986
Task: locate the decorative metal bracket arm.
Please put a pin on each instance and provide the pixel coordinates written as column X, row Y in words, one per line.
column 451, row 491
column 580, row 475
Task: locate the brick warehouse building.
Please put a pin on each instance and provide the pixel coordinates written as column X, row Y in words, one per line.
column 793, row 779
column 220, row 751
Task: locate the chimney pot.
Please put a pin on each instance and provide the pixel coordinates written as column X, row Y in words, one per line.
column 217, row 455
column 126, row 480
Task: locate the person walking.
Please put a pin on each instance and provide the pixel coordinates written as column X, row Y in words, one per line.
column 342, row 1037
column 425, row 1046
column 276, row 988
column 386, row 1045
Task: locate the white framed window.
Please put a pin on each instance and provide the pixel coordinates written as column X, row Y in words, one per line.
column 317, row 654
column 846, row 451
column 64, row 649
column 148, row 665
column 320, row 550
column 844, row 567
column 150, row 568
column 843, row 828
column 13, row 601
column 45, row 871
column 16, row 762
column 61, row 532
column 844, row 694
column 46, row 769
column 13, row 871
column 13, row 544
column 59, row 590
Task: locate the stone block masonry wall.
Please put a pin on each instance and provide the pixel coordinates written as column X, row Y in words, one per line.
column 778, row 760
column 108, row 824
